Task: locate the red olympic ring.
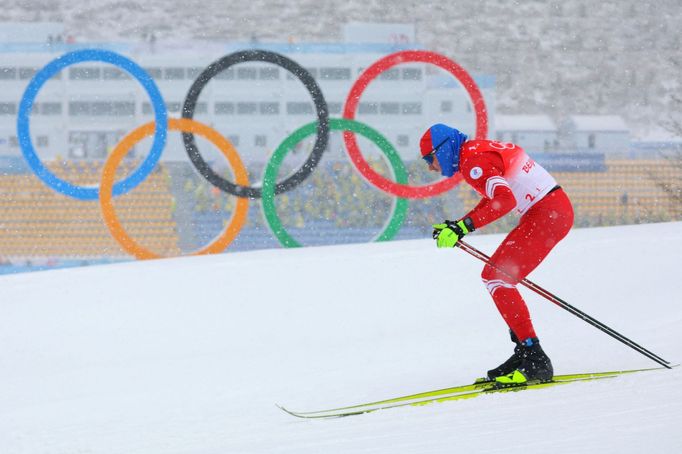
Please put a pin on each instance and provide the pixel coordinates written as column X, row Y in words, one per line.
column 406, row 56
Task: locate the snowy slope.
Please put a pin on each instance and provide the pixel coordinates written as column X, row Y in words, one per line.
column 190, row 355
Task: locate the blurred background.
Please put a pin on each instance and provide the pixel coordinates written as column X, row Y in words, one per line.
column 591, row 90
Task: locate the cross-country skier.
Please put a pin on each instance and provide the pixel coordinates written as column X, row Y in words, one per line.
column 508, row 179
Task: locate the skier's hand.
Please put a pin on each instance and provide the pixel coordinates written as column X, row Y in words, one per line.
column 448, row 233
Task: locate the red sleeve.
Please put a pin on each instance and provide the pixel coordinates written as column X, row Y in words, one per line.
column 484, row 172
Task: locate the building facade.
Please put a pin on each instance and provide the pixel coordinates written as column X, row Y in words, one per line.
column 535, row 133
column 85, row 110
column 597, row 133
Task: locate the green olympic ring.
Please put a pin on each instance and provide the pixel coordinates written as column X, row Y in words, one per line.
column 400, row 205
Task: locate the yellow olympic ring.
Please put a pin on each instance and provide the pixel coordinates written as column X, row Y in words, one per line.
column 183, row 125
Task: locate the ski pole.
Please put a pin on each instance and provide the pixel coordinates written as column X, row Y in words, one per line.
column 564, row 305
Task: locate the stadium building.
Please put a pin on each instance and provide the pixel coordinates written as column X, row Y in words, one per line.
column 83, row 111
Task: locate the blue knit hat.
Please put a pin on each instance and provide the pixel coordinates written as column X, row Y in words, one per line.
column 444, row 142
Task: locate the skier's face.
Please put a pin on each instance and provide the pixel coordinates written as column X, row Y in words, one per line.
column 434, row 166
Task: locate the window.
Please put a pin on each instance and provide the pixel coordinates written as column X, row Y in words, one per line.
column 412, row 74
column 224, row 108
column 8, row 73
column 51, row 108
column 246, row 108
column 390, row 74
column 84, row 73
column 299, row 108
column 8, row 108
column 269, row 108
column 102, row 108
column 390, row 108
column 200, row 108
column 591, row 141
column 79, row 108
column 246, row 73
column 312, row 71
column 227, row 74
column 173, row 106
column 368, row 108
column 403, row 140
column 468, row 107
column 42, row 141
column 335, row 73
column 260, row 140
column 123, row 108
column 154, row 72
column 412, row 108
column 114, row 74
column 234, row 140
column 335, row 107
column 13, row 141
column 27, row 73
column 174, row 73
column 193, row 73
column 446, row 106
column 268, row 73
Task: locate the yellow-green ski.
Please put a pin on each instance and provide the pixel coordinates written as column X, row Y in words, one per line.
column 475, row 389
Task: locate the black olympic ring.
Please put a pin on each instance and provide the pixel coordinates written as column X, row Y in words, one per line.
column 308, row 82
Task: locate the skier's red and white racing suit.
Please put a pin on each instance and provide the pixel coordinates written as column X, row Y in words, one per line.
column 508, row 179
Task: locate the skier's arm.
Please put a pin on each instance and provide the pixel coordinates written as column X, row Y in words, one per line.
column 486, row 176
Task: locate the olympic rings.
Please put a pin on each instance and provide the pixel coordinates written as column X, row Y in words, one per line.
column 353, row 99
column 268, row 200
column 52, row 68
column 185, row 125
column 240, row 187
column 308, row 82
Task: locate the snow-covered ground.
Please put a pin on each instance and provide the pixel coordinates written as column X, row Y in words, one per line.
column 190, row 355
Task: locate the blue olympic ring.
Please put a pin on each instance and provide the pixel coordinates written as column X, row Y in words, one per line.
column 52, row 68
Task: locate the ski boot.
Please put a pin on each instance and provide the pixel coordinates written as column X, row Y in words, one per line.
column 509, row 365
column 535, row 366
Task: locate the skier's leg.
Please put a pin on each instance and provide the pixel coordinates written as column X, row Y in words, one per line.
column 520, row 253
column 526, row 246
